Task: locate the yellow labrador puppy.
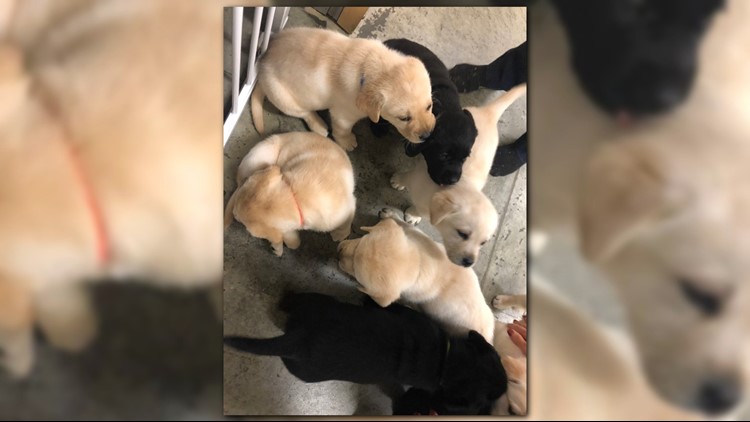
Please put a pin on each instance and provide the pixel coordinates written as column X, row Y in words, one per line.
column 307, row 69
column 395, row 260
column 109, row 167
column 463, row 215
column 290, row 182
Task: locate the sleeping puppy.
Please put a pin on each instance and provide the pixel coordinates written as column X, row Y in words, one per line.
column 395, row 260
column 306, row 69
column 325, row 339
column 293, row 181
column 97, row 188
column 450, row 143
column 463, row 215
column 636, row 57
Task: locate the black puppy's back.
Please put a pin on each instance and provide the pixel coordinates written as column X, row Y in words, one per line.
column 326, row 340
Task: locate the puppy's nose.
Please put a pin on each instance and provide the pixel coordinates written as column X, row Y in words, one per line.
column 451, row 179
column 425, row 135
column 467, row 262
column 719, row 395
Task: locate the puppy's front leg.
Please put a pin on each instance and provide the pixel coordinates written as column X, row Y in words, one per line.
column 411, row 215
column 291, row 239
column 342, row 130
column 66, row 316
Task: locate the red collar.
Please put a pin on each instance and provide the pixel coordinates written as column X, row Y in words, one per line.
column 95, row 211
column 103, row 251
column 299, row 209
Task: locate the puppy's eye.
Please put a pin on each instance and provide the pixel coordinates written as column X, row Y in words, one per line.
column 709, row 303
column 444, row 156
column 405, row 118
column 462, row 235
column 482, row 244
column 429, row 107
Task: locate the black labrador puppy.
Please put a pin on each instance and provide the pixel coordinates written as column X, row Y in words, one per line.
column 636, row 57
column 416, row 401
column 453, row 136
column 326, row 339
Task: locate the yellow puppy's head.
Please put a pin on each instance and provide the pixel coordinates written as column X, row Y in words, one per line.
column 466, row 219
column 667, row 217
column 403, row 97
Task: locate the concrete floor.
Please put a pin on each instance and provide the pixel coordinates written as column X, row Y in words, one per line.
column 135, row 370
column 254, row 277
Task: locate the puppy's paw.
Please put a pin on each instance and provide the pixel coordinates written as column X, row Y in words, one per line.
column 509, row 302
column 396, row 182
column 388, row 213
column 291, row 240
column 17, row 355
column 348, row 142
column 341, row 233
column 412, row 218
column 67, row 318
column 278, row 249
column 74, row 333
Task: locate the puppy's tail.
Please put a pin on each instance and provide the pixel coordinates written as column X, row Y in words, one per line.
column 500, row 104
column 229, row 211
column 283, row 346
column 256, row 107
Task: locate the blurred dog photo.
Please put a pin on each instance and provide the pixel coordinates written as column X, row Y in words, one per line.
column 357, row 307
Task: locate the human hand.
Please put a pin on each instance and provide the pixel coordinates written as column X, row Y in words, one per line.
column 517, row 334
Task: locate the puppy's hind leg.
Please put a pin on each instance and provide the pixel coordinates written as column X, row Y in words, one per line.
column 284, row 101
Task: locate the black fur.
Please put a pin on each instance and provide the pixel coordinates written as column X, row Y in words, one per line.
column 636, row 56
column 450, row 142
column 329, row 340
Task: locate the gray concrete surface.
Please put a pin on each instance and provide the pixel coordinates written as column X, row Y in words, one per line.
column 254, row 277
column 157, row 357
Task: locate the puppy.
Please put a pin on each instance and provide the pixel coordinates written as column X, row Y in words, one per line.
column 660, row 208
column 666, row 216
column 326, row 339
column 307, row 69
column 293, row 181
column 584, row 371
column 96, row 186
column 450, row 144
column 636, row 58
column 395, row 260
column 463, row 215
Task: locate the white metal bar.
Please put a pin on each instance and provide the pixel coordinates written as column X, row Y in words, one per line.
column 269, row 26
column 236, row 55
column 284, row 18
column 232, row 118
column 253, row 52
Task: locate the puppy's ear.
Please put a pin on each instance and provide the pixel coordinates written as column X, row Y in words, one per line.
column 370, row 100
column 442, row 205
column 626, row 191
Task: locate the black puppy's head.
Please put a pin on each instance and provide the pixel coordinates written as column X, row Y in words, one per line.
column 637, row 57
column 448, row 147
column 473, row 377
